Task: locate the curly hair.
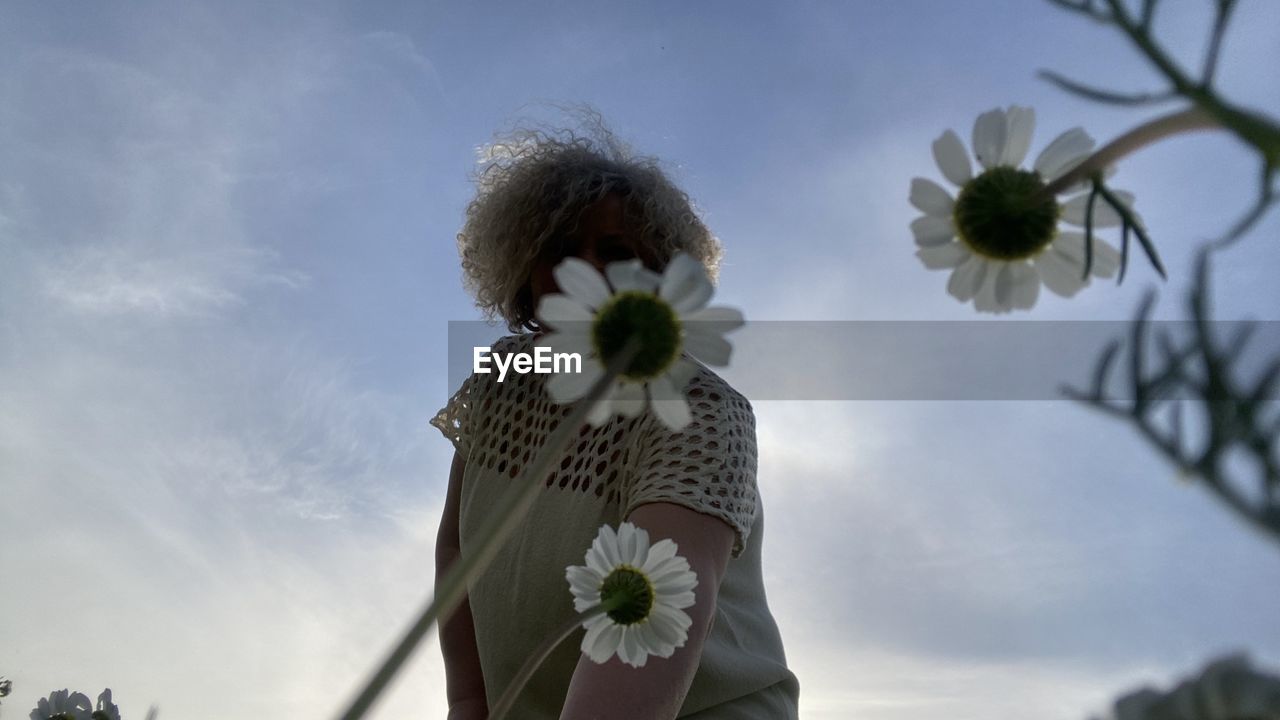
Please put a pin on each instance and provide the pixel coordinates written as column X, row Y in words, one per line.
column 530, row 194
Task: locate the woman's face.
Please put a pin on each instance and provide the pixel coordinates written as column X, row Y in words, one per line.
column 603, row 237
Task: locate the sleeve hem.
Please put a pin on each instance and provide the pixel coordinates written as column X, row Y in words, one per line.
column 452, row 430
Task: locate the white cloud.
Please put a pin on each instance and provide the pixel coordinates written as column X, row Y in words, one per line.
column 113, row 280
column 207, row 510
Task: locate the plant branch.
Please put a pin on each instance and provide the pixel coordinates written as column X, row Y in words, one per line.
column 1266, row 197
column 1107, row 96
column 1235, row 413
column 1223, row 14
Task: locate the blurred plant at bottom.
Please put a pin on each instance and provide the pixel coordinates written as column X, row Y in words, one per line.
column 1227, row 689
column 66, row 705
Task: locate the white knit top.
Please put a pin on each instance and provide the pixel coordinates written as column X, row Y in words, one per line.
column 523, row 596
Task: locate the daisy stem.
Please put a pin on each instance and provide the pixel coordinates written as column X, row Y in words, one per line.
column 1188, row 120
column 535, row 661
column 501, row 523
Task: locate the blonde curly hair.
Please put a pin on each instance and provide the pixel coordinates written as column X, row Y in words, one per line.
column 531, row 191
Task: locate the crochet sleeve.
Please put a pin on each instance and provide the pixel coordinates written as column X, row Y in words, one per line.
column 454, row 419
column 709, row 466
column 464, row 415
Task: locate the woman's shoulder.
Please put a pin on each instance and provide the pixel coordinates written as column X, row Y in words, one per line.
column 706, row 389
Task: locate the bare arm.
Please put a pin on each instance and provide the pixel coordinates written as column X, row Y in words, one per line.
column 464, row 681
column 657, row 690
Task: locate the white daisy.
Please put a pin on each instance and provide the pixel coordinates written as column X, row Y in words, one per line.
column 999, row 236
column 63, row 705
column 669, row 315
column 644, row 591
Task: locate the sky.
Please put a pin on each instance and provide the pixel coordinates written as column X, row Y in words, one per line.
column 227, row 270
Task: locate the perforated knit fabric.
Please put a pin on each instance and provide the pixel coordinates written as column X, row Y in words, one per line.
column 708, row 466
column 522, row 597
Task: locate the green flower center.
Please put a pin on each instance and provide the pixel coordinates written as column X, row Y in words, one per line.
column 648, row 318
column 627, row 594
column 1003, row 214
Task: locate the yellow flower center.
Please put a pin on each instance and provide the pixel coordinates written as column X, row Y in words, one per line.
column 647, row 317
column 1003, row 214
column 627, row 595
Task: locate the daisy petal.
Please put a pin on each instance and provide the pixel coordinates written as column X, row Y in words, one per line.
column 952, row 159
column 708, row 347
column 1017, row 286
column 629, row 401
column 931, row 198
column 684, row 284
column 989, row 137
column 1065, row 152
column 1020, row 123
column 674, row 617
column 631, row 275
column 571, row 340
column 583, row 583
column 652, row 641
column 659, row 552
column 605, row 643
column 630, row 650
column 941, row 257
column 717, row 319
column 1074, row 210
column 641, row 549
column 568, row 387
column 1106, row 260
column 628, row 540
column 1070, row 247
column 603, row 409
column 967, row 278
column 577, row 278
column 929, row 230
column 1005, row 280
column 669, row 404
column 556, row 310
column 985, row 299
column 673, row 578
column 668, row 633
column 673, row 565
column 682, row 372
column 606, row 546
column 597, row 563
column 1060, row 274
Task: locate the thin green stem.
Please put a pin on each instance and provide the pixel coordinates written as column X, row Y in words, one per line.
column 1188, row 120
column 535, row 661
column 1215, row 42
column 502, row 522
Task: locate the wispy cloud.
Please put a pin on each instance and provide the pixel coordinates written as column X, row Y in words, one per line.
column 229, row 516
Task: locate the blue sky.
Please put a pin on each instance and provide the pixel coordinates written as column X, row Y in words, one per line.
column 227, row 268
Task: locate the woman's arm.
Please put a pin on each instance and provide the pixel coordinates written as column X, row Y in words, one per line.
column 464, row 681
column 656, row 691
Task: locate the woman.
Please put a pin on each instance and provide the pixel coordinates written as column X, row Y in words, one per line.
column 543, row 197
